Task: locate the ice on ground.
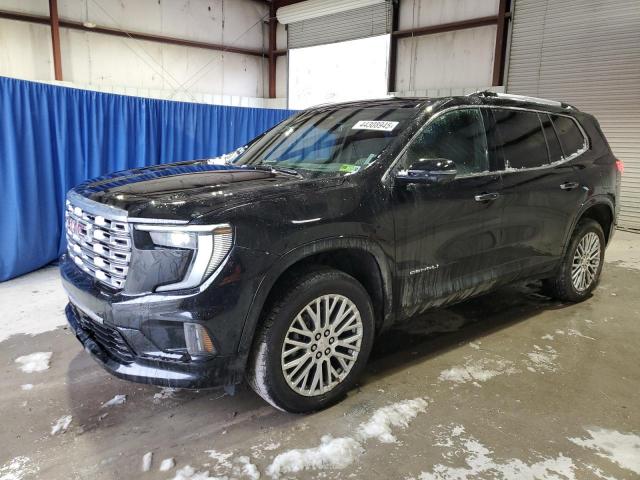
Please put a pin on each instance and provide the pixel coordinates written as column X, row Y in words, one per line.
column 547, row 337
column 167, row 464
column 163, row 394
column 34, row 362
column 27, row 386
column 117, row 400
column 480, row 463
column 396, row 415
column 257, row 451
column 338, row 453
column 222, row 459
column 61, row 425
column 621, row 448
column 18, row 468
column 475, row 345
column 189, row 473
column 247, row 468
column 541, row 360
column 477, row 370
column 575, row 333
column 331, row 453
column 147, row 458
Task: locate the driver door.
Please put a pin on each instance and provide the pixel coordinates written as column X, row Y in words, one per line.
column 447, row 234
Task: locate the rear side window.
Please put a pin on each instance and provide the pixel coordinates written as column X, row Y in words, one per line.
column 570, row 135
column 521, row 139
column 555, row 152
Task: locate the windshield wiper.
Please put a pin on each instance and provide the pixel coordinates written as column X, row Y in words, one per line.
column 273, row 168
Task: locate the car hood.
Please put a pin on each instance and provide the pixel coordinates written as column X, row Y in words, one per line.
column 188, row 190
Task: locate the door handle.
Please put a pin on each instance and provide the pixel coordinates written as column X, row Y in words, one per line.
column 569, row 185
column 487, row 197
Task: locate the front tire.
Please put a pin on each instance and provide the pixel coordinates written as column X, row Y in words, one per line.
column 314, row 341
column 582, row 264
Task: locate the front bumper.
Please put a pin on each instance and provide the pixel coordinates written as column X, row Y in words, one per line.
column 216, row 372
column 118, row 331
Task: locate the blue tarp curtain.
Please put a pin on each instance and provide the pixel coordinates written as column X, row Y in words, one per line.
column 52, row 138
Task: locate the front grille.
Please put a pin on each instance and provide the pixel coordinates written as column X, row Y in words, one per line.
column 98, row 245
column 107, row 337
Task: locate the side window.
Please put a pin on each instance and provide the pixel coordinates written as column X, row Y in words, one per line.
column 521, row 139
column 555, row 152
column 570, row 135
column 457, row 135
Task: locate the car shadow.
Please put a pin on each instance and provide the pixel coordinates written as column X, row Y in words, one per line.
column 433, row 333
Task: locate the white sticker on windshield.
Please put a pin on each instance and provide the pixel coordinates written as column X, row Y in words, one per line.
column 379, row 125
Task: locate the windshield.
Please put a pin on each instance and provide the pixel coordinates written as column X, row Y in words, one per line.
column 341, row 139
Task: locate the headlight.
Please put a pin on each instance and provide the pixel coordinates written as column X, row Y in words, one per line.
column 210, row 245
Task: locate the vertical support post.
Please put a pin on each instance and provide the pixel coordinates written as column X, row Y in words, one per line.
column 273, row 28
column 55, row 38
column 500, row 51
column 393, row 48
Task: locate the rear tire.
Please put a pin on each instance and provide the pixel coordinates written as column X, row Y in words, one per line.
column 582, row 264
column 314, row 341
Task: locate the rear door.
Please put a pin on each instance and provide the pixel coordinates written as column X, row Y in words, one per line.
column 541, row 189
column 446, row 235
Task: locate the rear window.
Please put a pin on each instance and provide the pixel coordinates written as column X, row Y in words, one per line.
column 521, row 139
column 570, row 135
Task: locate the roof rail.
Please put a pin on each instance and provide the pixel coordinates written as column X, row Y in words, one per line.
column 524, row 98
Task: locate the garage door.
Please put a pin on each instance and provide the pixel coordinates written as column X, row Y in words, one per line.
column 587, row 53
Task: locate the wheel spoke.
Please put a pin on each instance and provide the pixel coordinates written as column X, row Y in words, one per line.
column 314, row 359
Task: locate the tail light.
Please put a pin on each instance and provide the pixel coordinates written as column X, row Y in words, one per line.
column 620, row 166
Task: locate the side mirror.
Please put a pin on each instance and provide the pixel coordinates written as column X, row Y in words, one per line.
column 428, row 170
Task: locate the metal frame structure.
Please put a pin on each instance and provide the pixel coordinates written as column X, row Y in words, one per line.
column 501, row 20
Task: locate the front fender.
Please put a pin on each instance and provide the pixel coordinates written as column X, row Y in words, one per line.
column 295, row 255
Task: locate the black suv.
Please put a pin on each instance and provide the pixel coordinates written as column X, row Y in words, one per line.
column 282, row 261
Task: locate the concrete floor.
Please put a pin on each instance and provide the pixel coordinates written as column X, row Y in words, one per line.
column 516, row 386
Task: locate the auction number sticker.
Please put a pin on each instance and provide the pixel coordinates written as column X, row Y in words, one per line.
column 379, row 125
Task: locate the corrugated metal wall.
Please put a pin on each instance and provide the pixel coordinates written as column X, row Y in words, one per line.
column 587, row 53
column 361, row 22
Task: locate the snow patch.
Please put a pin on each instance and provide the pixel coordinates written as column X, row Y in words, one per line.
column 27, row 386
column 189, row 473
column 61, row 425
column 477, row 371
column 117, row 400
column 621, row 448
column 222, row 459
column 395, row 415
column 338, row 453
column 167, row 464
column 147, row 458
column 34, row 362
column 17, row 469
column 163, row 394
column 547, row 337
column 481, row 464
column 575, row 333
column 331, row 453
column 247, row 468
column 542, row 361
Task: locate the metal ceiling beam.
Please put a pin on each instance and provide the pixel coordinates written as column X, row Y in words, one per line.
column 446, row 27
column 23, row 17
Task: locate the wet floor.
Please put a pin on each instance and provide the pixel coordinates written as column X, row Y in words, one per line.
column 508, row 385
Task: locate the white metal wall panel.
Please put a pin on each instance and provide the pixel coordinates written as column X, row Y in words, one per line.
column 362, row 22
column 587, row 53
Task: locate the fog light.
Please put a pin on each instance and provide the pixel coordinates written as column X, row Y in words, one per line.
column 197, row 339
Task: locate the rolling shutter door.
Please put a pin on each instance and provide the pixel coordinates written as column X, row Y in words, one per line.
column 349, row 20
column 586, row 53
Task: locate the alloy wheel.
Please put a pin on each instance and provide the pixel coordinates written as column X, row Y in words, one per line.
column 321, row 345
column 586, row 260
